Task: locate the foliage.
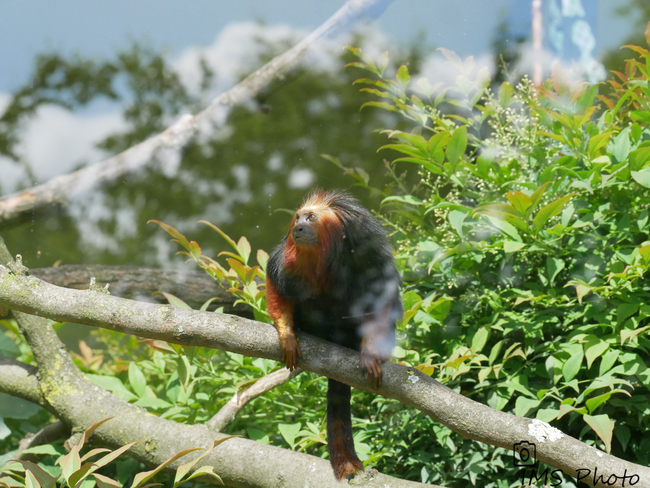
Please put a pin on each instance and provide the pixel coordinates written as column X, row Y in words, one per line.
column 77, row 470
column 526, row 246
column 244, row 280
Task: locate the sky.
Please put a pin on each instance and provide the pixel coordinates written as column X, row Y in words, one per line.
column 56, row 141
column 101, row 27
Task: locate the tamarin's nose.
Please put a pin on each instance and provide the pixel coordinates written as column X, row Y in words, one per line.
column 299, row 228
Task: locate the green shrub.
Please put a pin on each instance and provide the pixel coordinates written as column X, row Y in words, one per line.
column 525, row 245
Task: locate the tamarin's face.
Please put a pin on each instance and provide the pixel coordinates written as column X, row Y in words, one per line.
column 305, row 228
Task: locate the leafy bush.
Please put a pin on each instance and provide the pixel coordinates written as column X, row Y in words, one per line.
column 525, row 246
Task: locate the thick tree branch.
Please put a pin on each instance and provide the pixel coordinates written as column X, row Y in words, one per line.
column 236, row 334
column 168, row 143
column 192, row 286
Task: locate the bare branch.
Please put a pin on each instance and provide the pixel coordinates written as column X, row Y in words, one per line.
column 194, row 287
column 469, row 418
column 47, row 435
column 20, row 380
column 168, row 143
column 224, row 417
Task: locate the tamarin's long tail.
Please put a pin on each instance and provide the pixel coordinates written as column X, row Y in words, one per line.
column 343, row 457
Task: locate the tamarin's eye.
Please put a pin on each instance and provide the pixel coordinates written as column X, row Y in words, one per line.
column 311, row 217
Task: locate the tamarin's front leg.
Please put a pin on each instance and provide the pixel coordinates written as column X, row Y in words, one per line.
column 288, row 340
column 281, row 311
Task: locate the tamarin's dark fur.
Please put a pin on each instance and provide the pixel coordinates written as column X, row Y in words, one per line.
column 334, row 276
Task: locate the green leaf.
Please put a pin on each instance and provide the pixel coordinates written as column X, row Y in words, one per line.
column 503, row 212
column 111, row 456
column 289, row 433
column 608, row 361
column 572, row 366
column 106, row 482
column 112, row 384
column 407, row 199
column 244, row 249
column 403, row 76
column 483, row 164
column 414, row 140
column 384, row 105
column 457, row 145
column 174, row 300
column 31, row 481
column 642, row 177
column 436, row 146
column 512, row 246
column 456, row 220
column 406, row 149
column 597, row 142
column 524, row 405
column 207, row 303
column 504, row 227
column 141, row 478
column 184, row 369
column 505, row 94
column 593, row 403
column 178, row 237
column 639, row 158
column 624, row 311
column 136, row 379
column 431, row 167
column 547, row 414
column 42, row 449
column 554, row 266
column 202, row 471
column 623, row 434
column 550, row 210
column 221, row 233
column 184, row 469
column 594, row 348
column 519, row 200
column 39, row 477
column 367, row 63
column 619, row 148
column 480, row 338
column 627, row 334
column 536, row 197
column 603, row 426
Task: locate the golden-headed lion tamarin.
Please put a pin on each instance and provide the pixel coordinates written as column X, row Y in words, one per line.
column 334, row 276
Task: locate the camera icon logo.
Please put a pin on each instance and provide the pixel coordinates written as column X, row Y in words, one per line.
column 524, row 454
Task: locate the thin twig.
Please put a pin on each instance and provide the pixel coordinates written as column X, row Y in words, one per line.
column 224, row 417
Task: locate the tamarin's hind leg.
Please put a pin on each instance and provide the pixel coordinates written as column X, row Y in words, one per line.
column 339, row 431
